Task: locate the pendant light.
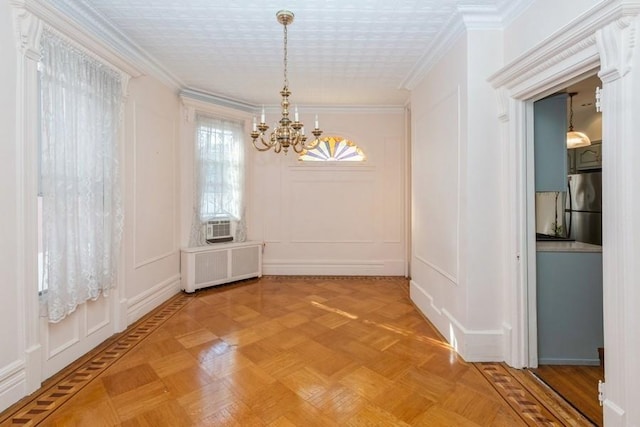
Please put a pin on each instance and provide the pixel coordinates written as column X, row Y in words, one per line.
column 575, row 139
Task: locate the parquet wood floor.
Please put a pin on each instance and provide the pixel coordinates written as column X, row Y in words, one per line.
column 283, row 351
column 578, row 385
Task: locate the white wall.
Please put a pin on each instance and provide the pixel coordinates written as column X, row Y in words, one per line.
column 151, row 171
column 340, row 218
column 457, row 190
column 12, row 333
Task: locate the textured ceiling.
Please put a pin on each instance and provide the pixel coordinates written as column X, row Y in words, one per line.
column 341, row 52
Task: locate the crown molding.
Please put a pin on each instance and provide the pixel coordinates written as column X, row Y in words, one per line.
column 218, row 100
column 443, row 43
column 76, row 18
column 211, row 99
column 468, row 17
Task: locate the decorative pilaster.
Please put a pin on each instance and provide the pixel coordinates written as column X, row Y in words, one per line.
column 28, row 28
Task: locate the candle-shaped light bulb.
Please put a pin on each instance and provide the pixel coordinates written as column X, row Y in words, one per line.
column 295, row 115
column 262, row 115
column 255, row 125
column 302, row 130
column 317, row 125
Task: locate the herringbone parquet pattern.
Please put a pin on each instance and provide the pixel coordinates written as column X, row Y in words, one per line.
column 282, row 352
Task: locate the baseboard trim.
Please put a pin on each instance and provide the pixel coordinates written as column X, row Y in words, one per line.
column 13, row 384
column 333, row 268
column 474, row 345
column 557, row 361
column 142, row 304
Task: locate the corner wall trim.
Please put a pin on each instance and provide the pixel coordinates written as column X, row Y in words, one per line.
column 474, row 345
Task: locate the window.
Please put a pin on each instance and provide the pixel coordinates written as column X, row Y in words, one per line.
column 219, row 174
column 333, row 148
column 80, row 105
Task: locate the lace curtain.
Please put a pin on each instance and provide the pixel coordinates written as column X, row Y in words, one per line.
column 218, row 176
column 81, row 208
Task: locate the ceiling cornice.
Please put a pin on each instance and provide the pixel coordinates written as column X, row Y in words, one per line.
column 218, row 100
column 97, row 27
column 434, row 52
column 468, row 17
column 222, row 101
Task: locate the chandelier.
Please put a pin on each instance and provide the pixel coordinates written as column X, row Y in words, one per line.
column 286, row 133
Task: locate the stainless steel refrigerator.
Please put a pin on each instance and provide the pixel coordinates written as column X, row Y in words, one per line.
column 583, row 213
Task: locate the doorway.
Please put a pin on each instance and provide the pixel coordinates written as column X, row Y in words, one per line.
column 568, row 354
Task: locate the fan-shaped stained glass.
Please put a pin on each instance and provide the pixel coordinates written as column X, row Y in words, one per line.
column 333, row 149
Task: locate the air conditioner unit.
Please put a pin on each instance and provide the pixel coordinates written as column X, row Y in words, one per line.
column 220, row 263
column 219, row 231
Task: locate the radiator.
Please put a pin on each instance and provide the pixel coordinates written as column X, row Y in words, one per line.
column 219, row 263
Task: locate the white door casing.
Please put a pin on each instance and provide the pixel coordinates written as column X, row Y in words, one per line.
column 604, row 37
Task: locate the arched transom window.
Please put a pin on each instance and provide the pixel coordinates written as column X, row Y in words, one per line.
column 333, row 149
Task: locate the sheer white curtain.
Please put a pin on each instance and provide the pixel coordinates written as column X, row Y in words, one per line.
column 218, row 176
column 81, row 208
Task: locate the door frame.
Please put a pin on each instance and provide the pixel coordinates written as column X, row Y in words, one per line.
column 602, row 38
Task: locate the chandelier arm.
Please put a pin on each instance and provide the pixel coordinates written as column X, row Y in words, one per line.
column 298, row 146
column 312, row 144
column 269, row 144
column 266, row 146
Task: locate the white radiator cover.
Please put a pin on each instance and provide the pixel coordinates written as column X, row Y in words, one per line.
column 219, row 263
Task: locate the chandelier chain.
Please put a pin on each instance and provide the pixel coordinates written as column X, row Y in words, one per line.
column 286, row 80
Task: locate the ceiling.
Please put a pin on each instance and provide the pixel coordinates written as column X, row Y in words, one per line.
column 341, row 52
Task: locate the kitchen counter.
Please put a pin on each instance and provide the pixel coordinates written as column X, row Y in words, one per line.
column 564, row 246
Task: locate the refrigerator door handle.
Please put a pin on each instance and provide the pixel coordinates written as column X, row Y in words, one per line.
column 570, row 207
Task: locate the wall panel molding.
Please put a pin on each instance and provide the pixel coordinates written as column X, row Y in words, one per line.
column 168, row 151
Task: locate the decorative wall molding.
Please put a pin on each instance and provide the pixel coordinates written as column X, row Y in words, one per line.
column 192, row 96
column 28, row 29
column 160, row 119
column 153, row 297
column 195, row 102
column 577, row 37
column 503, row 104
column 616, row 44
column 79, row 17
column 451, row 278
column 472, row 344
column 84, row 37
column 358, row 167
column 196, row 97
